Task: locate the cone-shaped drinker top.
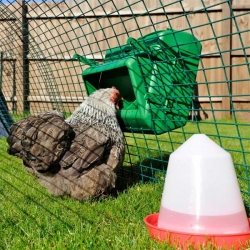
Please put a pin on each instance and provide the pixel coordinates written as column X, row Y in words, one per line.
column 201, row 192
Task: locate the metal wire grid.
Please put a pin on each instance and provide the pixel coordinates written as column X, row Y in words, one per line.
column 38, row 73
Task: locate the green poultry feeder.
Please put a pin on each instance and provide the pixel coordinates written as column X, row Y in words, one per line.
column 155, row 75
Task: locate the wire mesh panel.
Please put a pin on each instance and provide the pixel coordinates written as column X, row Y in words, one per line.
column 123, row 44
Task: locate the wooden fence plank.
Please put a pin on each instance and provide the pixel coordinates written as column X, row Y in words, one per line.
column 226, row 56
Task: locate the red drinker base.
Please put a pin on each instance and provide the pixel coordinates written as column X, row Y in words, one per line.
column 184, row 240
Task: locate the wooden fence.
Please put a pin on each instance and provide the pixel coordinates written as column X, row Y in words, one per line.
column 39, row 39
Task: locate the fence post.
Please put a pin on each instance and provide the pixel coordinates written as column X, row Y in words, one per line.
column 226, row 56
column 22, row 59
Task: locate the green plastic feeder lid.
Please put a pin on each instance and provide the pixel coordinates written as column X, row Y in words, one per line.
column 177, row 40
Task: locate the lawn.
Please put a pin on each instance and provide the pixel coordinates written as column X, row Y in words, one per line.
column 30, row 218
column 33, row 219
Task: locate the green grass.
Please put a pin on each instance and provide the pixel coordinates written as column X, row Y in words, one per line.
column 30, row 218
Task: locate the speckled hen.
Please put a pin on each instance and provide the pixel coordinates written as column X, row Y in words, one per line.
column 76, row 157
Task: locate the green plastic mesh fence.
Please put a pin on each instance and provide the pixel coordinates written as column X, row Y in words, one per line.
column 182, row 68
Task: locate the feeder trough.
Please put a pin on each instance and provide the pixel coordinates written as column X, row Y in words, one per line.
column 201, row 202
column 155, row 75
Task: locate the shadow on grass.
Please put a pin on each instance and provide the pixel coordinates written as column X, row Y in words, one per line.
column 147, row 170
